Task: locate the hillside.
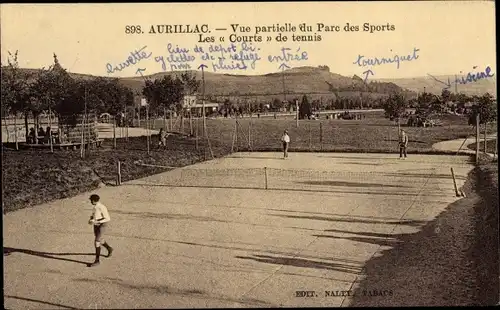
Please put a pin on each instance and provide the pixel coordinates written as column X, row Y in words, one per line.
column 417, row 84
column 317, row 81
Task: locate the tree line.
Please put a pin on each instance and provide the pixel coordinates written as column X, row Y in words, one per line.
column 32, row 93
column 427, row 105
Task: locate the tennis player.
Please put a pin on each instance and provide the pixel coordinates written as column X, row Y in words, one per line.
column 99, row 219
column 403, row 144
column 286, row 141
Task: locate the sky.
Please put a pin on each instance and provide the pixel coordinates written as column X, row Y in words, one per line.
column 430, row 37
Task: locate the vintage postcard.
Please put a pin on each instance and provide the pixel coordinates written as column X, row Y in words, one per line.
column 258, row 154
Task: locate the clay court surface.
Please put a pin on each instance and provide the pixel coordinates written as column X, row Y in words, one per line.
column 222, row 239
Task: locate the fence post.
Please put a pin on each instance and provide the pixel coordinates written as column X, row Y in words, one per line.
column 477, row 138
column 196, row 135
column 496, row 147
column 249, row 140
column 15, row 130
column 265, row 173
column 485, row 143
column 148, row 137
column 321, row 136
column 114, row 132
column 171, row 124
column 310, row 136
column 119, row 174
column 236, row 135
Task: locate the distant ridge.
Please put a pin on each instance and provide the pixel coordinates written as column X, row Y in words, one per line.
column 309, row 80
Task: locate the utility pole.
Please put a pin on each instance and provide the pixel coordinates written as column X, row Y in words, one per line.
column 297, row 112
column 202, row 66
column 283, row 67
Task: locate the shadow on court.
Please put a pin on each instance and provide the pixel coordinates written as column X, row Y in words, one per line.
column 304, row 263
column 172, row 291
column 296, row 188
column 8, row 251
column 351, row 184
column 39, row 301
column 352, row 220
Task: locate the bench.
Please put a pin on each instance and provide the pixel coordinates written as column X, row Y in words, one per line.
column 67, row 145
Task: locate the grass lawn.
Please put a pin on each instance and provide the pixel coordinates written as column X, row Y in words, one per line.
column 32, row 177
column 490, row 146
column 372, row 134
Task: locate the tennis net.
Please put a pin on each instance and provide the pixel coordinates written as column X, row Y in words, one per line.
column 295, row 179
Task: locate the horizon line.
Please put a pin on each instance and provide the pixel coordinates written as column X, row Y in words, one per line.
column 243, row 75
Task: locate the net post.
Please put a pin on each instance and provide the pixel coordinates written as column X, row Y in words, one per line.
column 119, row 174
column 454, row 182
column 265, row 174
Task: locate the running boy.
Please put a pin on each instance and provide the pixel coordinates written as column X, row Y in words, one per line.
column 286, row 140
column 99, row 218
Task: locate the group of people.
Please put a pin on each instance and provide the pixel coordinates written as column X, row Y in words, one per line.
column 43, row 136
column 402, row 142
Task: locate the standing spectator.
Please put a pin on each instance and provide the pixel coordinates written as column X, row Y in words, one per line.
column 286, row 141
column 32, row 136
column 162, row 138
column 41, row 134
column 403, row 144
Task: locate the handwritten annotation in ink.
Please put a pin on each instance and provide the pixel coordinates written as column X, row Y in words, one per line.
column 218, row 57
column 376, row 61
column 362, row 62
column 177, row 58
column 227, row 57
column 135, row 57
column 471, row 77
column 230, row 57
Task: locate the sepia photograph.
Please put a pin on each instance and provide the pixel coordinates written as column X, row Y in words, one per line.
column 249, row 155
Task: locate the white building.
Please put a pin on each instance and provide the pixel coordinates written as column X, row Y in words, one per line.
column 191, row 102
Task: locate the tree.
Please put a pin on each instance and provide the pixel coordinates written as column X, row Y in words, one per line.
column 277, row 104
column 16, row 89
column 486, row 107
column 51, row 92
column 395, row 106
column 305, row 109
column 191, row 84
column 446, row 95
column 165, row 93
column 427, row 103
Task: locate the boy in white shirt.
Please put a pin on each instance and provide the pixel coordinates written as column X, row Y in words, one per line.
column 403, row 144
column 99, row 218
column 286, row 140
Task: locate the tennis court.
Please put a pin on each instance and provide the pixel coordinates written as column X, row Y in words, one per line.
column 248, row 230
